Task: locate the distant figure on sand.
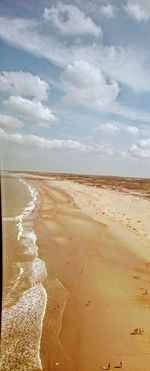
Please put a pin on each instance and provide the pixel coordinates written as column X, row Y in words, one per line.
column 106, row 367
column 88, row 303
column 137, row 331
column 120, row 364
column 141, row 331
column 137, row 277
column 145, row 292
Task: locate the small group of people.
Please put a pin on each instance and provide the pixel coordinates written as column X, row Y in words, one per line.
column 108, row 367
column 137, row 331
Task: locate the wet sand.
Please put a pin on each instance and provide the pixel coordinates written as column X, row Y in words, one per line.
column 86, row 260
column 24, row 297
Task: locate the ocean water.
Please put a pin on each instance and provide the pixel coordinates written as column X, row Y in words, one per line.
column 24, row 297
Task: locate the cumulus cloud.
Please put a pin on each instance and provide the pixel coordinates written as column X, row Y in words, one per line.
column 41, row 142
column 108, row 10
column 23, row 83
column 122, row 64
column 30, row 109
column 139, row 10
column 57, row 144
column 108, row 127
column 10, row 122
column 141, row 149
column 86, row 84
column 132, row 130
column 116, row 127
column 70, row 20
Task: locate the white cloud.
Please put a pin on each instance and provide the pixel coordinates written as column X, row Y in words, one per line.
column 108, row 127
column 86, row 84
column 141, row 149
column 57, row 144
column 10, row 122
column 108, row 10
column 23, row 83
column 70, row 20
column 116, row 127
column 30, row 109
column 132, row 130
column 41, row 142
column 126, row 65
column 130, row 113
column 138, row 9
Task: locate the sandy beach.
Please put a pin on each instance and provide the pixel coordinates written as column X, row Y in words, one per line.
column 75, row 185
column 95, row 244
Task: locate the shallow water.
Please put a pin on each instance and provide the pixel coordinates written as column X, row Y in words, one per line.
column 24, row 297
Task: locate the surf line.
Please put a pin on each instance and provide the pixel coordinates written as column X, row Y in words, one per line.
column 28, row 239
column 38, row 271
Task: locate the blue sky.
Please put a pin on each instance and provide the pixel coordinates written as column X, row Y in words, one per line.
column 75, row 86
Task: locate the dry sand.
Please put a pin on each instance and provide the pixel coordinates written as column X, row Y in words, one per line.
column 121, row 210
column 87, row 239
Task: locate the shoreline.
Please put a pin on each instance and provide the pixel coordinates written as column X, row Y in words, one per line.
column 32, row 271
column 27, row 216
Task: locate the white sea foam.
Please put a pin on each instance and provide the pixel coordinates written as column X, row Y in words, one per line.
column 27, row 210
column 22, row 322
column 10, row 218
column 19, row 276
column 21, row 331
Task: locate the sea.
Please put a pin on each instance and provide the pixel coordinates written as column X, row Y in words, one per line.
column 24, row 297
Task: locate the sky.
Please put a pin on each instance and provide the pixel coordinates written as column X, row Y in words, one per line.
column 75, row 86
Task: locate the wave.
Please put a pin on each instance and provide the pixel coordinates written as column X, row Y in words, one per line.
column 10, row 218
column 22, row 319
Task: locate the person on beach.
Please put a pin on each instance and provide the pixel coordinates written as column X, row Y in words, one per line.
column 137, row 331
column 106, row 367
column 121, row 363
column 88, row 303
column 145, row 292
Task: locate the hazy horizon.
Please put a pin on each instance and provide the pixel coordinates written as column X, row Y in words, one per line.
column 73, row 174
